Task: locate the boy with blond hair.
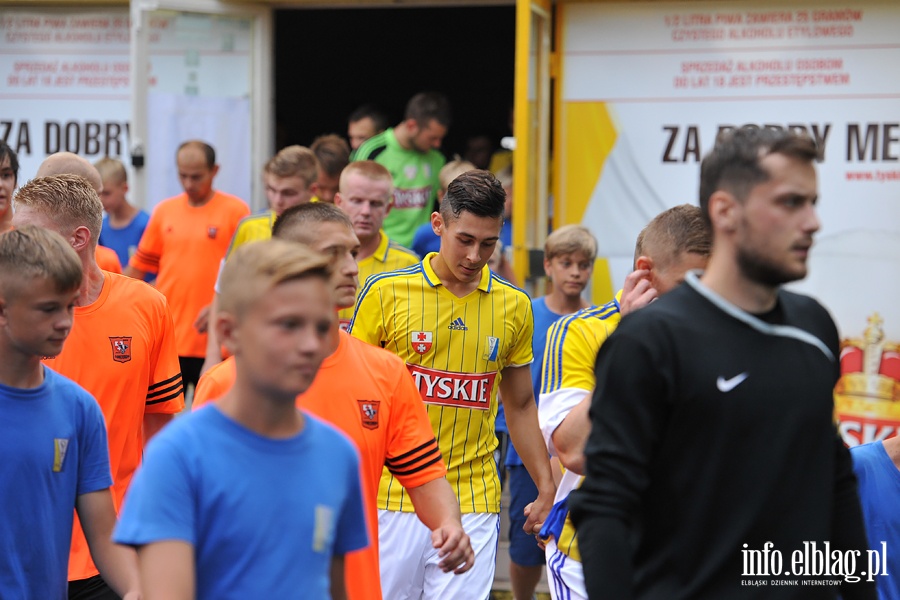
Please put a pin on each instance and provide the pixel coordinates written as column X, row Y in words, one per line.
column 51, row 430
column 569, row 255
column 123, row 223
column 220, row 508
column 367, row 393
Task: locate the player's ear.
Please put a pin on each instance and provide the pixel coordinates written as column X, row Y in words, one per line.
column 643, row 263
column 80, row 238
column 437, row 223
column 723, row 211
column 547, row 267
column 226, row 329
column 3, row 320
column 338, row 200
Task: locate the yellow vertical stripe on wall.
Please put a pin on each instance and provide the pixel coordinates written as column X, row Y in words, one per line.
column 589, row 138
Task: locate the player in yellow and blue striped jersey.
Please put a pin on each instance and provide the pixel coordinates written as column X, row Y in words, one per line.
column 464, row 333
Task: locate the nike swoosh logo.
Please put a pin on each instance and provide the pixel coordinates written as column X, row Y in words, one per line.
column 726, row 385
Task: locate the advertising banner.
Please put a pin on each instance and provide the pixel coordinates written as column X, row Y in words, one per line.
column 646, row 87
column 66, row 86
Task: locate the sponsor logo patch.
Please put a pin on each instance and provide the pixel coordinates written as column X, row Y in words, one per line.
column 460, row 390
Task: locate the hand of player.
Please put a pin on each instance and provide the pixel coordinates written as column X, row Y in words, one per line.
column 536, row 513
column 201, row 323
column 637, row 292
column 454, row 548
column 132, row 596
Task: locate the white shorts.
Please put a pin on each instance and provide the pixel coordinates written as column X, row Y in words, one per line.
column 565, row 575
column 409, row 565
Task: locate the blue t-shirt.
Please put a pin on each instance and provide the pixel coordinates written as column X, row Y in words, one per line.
column 543, row 319
column 125, row 240
column 54, row 449
column 265, row 516
column 425, row 240
column 879, row 495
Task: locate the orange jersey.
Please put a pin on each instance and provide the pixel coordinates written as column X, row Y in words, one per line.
column 122, row 350
column 367, row 393
column 184, row 245
column 107, row 259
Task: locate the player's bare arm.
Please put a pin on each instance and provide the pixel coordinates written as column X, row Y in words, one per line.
column 135, row 273
column 438, row 508
column 637, row 291
column 336, row 575
column 201, row 323
column 570, row 436
column 521, row 418
column 213, row 347
column 167, row 570
column 117, row 564
column 153, row 423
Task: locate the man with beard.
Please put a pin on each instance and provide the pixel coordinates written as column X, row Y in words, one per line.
column 713, row 445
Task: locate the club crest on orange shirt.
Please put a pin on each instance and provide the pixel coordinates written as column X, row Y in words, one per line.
column 212, row 231
column 121, row 348
column 421, row 341
column 369, row 412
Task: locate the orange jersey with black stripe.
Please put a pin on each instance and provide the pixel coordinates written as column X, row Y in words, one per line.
column 107, row 259
column 122, row 350
column 389, row 256
column 184, row 245
column 368, row 394
column 456, row 349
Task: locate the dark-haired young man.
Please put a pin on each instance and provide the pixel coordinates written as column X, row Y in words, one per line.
column 410, row 153
column 713, row 443
column 363, row 123
column 464, row 333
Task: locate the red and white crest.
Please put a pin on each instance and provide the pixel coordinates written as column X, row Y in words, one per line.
column 121, row 348
column 421, row 341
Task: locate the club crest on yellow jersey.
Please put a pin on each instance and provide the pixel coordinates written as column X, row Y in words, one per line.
column 492, row 349
column 421, row 341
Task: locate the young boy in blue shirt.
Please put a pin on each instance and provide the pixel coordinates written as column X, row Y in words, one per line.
column 52, row 434
column 248, row 497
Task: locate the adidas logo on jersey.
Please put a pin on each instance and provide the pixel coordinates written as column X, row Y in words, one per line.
column 458, row 325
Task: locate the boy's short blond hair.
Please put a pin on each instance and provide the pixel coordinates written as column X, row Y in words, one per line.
column 368, row 169
column 569, row 239
column 111, row 169
column 69, row 201
column 674, row 232
column 294, row 161
column 258, row 267
column 452, row 170
column 30, row 252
